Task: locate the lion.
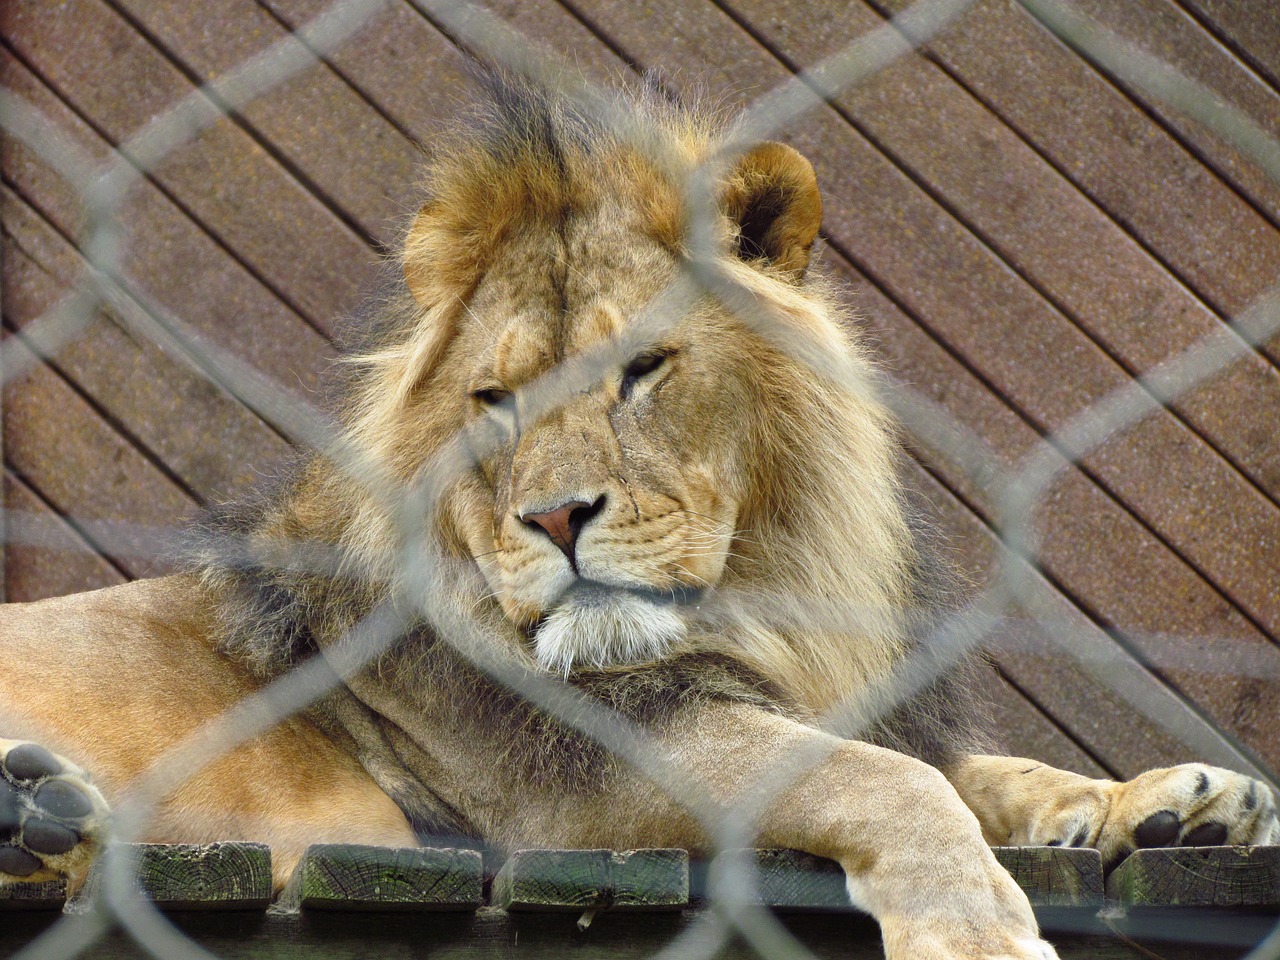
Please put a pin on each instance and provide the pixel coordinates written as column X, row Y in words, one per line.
column 562, row 465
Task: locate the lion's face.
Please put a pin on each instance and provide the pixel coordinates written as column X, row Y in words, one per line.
column 614, row 508
column 603, row 502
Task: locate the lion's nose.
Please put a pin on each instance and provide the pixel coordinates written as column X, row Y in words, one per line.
column 563, row 523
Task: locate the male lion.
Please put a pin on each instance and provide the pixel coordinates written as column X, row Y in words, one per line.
column 693, row 527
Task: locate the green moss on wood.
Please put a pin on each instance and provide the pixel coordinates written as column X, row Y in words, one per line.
column 356, row 877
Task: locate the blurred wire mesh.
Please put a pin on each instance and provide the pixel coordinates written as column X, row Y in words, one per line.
column 1018, row 591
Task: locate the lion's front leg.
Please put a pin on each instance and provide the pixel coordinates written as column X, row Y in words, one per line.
column 914, row 854
column 1021, row 802
column 53, row 821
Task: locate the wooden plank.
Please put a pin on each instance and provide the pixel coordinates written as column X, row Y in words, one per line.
column 355, row 877
column 588, row 880
column 49, row 895
column 1040, row 224
column 1055, row 876
column 397, row 43
column 1109, row 148
column 241, row 195
column 93, row 474
column 201, row 434
column 348, row 153
column 653, row 879
column 1165, row 30
column 165, row 254
column 46, row 557
column 1198, row 877
column 554, row 880
column 790, row 880
column 402, row 40
column 1251, row 28
column 231, row 875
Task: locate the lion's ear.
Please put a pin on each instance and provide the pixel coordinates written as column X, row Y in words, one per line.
column 772, row 196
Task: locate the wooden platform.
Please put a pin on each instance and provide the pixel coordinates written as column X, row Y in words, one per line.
column 1022, row 233
column 352, row 900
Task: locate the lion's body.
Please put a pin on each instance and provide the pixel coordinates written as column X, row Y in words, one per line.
column 562, row 459
column 114, row 678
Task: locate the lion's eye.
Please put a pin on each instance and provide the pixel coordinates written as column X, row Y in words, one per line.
column 491, row 396
column 641, row 366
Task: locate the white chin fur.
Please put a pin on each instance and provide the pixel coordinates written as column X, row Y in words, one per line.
column 599, row 629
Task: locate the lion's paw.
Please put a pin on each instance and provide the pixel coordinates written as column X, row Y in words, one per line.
column 52, row 819
column 1192, row 805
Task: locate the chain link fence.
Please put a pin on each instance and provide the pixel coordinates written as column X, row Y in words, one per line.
column 103, row 188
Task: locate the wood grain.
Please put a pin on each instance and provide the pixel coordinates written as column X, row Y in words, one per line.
column 580, row 880
column 1055, row 876
column 1199, row 877
column 358, row 877
column 179, row 876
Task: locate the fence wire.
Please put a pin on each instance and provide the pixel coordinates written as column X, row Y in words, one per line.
column 1017, row 589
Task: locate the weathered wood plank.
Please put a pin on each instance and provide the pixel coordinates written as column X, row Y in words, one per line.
column 552, row 880
column 232, row 875
column 351, row 156
column 584, row 880
column 1055, row 876
column 1107, row 145
column 236, row 190
column 788, row 880
column 356, row 877
column 170, row 257
column 49, row 895
column 1198, row 877
column 653, row 879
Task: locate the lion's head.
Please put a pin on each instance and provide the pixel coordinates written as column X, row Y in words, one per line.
column 646, row 471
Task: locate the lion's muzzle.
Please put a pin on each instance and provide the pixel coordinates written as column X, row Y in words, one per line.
column 595, row 626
